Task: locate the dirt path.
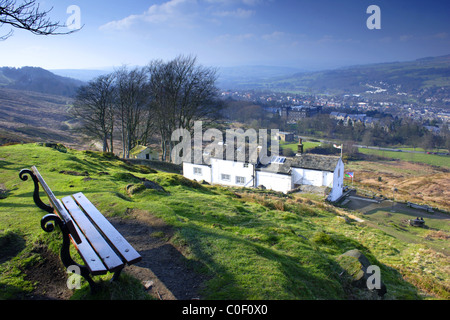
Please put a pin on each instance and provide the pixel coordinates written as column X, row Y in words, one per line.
column 162, row 265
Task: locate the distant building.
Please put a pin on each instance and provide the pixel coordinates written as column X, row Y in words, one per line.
column 286, row 136
column 292, row 114
column 352, row 119
column 371, row 122
column 143, row 152
column 338, row 115
column 435, row 130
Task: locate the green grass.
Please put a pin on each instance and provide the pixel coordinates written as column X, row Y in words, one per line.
column 306, row 145
column 251, row 244
column 431, row 159
column 407, row 148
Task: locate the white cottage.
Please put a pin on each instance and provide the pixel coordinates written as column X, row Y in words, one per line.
column 280, row 174
column 143, row 152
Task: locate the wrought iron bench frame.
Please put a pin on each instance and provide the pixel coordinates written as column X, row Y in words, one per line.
column 100, row 245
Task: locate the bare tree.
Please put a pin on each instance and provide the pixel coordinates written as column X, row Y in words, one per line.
column 94, row 106
column 182, row 92
column 133, row 107
column 28, row 16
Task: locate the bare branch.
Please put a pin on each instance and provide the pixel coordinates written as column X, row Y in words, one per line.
column 28, row 16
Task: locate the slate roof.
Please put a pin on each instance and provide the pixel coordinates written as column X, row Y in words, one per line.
column 283, row 168
column 315, row 162
column 138, row 149
column 240, row 155
column 305, row 161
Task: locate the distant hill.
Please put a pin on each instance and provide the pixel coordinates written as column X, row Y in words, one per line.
column 246, row 76
column 412, row 77
column 85, row 75
column 228, row 77
column 37, row 80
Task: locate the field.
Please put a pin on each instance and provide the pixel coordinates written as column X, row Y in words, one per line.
column 241, row 243
column 415, row 182
column 293, row 146
column 431, row 159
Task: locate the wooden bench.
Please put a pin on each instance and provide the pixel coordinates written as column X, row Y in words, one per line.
column 102, row 248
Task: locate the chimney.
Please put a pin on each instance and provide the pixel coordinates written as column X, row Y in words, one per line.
column 300, row 146
column 258, row 151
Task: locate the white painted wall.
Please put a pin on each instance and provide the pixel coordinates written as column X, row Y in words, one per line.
column 328, row 178
column 274, row 181
column 308, row 177
column 153, row 155
column 297, row 176
column 233, row 169
column 313, row 177
column 188, row 172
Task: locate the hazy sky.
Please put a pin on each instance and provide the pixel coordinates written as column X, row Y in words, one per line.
column 307, row 34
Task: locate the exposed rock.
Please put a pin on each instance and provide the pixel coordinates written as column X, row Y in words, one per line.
column 144, row 184
column 355, row 265
column 3, row 192
column 152, row 185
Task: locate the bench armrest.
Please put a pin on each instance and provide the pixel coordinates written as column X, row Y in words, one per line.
column 55, row 205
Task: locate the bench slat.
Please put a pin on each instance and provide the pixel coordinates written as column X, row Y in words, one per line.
column 115, row 238
column 89, row 256
column 99, row 244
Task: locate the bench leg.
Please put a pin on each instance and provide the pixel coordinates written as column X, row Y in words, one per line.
column 66, row 258
column 116, row 275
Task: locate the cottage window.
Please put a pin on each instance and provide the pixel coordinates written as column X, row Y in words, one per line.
column 197, row 171
column 240, row 180
column 225, row 177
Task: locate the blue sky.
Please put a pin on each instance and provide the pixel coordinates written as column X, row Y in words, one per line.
column 305, row 34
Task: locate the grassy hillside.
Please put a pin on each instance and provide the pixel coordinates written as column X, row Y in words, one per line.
column 245, row 244
column 31, row 117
